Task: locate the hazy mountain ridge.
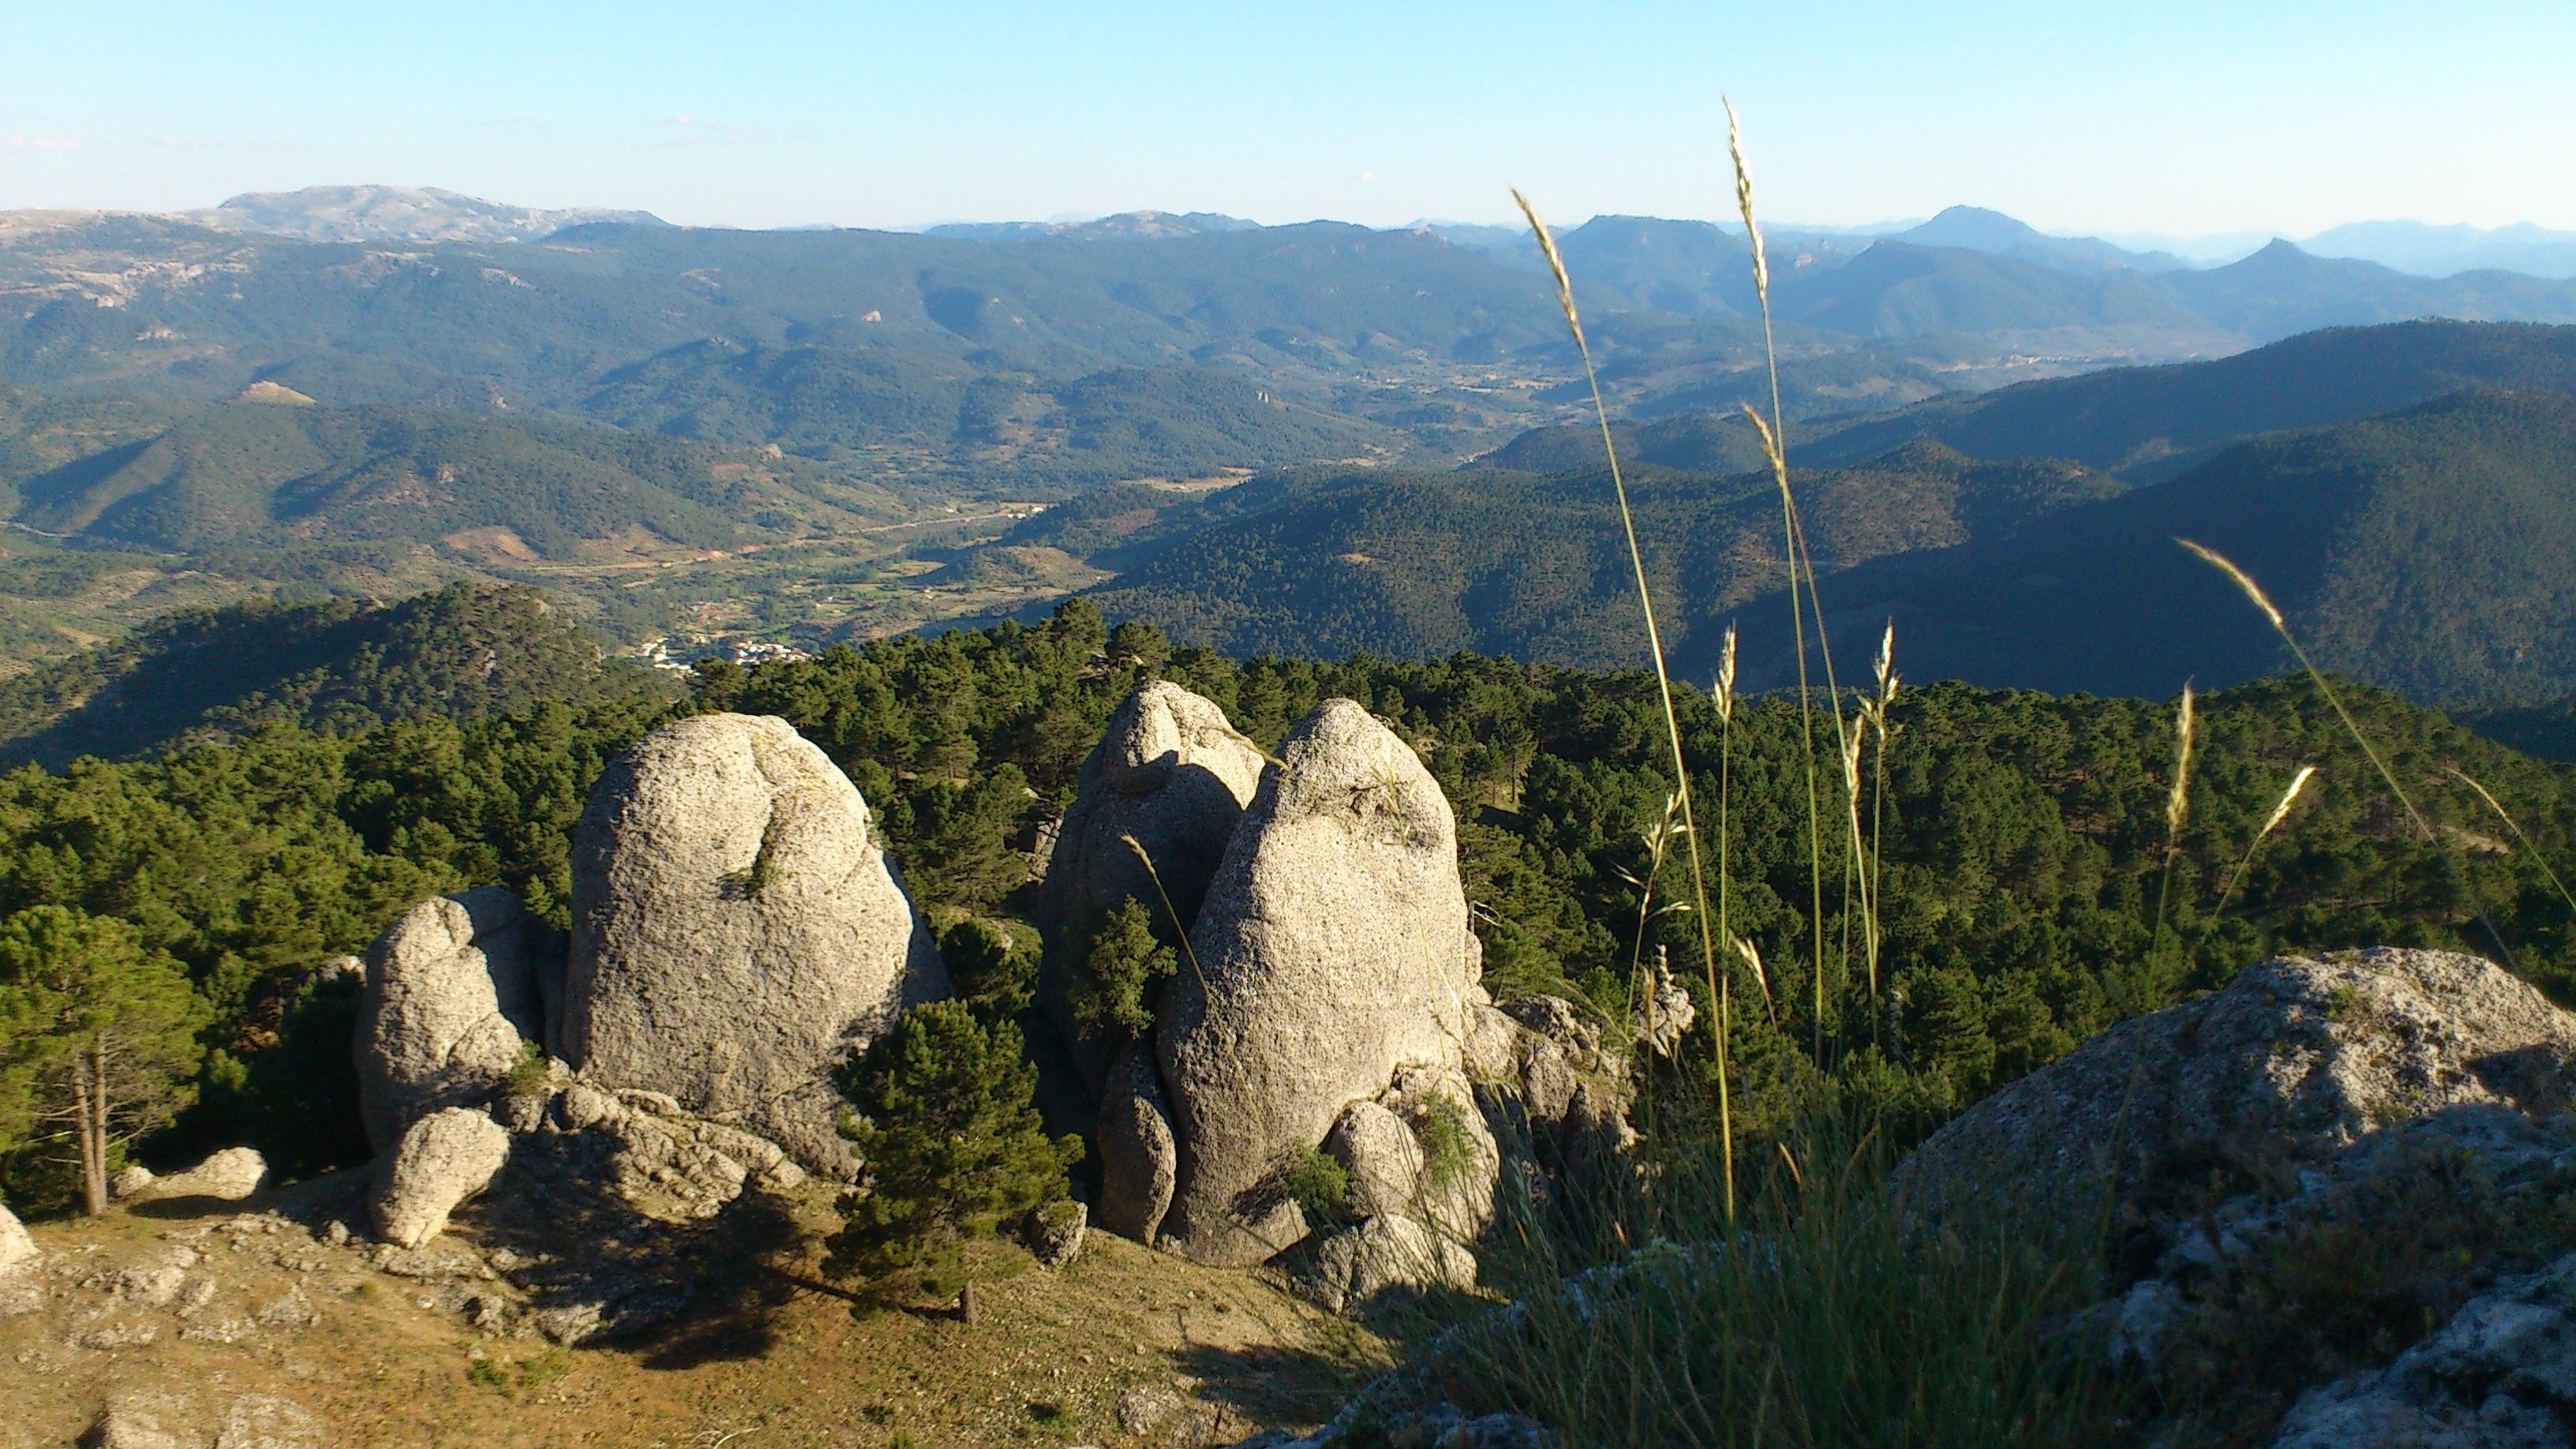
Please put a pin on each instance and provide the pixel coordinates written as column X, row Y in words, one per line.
column 2143, row 423
column 398, row 213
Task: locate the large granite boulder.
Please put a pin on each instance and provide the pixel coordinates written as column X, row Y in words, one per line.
column 737, row 930
column 450, row 1002
column 1172, row 775
column 1332, row 951
column 2295, row 1058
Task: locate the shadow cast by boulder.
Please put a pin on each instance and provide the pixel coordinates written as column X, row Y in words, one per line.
column 597, row 1269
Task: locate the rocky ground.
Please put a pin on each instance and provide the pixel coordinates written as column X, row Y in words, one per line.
column 273, row 1322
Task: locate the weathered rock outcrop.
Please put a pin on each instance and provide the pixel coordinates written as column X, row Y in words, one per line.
column 450, row 1001
column 1332, row 951
column 2302, row 1055
column 1173, row 775
column 443, row 1159
column 737, row 931
column 16, row 1248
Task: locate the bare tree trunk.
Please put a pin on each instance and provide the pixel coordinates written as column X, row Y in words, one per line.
column 967, row 1308
column 98, row 1105
column 86, row 1120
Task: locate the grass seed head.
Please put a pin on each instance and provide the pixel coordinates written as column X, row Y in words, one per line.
column 1555, row 266
column 2281, row 812
column 1744, row 202
column 1726, row 678
column 2178, row 799
column 2244, row 580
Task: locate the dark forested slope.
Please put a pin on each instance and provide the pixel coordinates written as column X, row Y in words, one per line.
column 1418, row 566
column 466, row 652
column 2431, row 550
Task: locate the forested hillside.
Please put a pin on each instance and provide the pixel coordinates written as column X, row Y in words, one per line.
column 2023, row 839
column 464, row 653
column 2142, row 423
column 2427, row 550
column 1420, row 566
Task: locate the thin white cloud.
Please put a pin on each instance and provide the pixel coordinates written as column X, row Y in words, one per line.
column 21, row 141
column 687, row 130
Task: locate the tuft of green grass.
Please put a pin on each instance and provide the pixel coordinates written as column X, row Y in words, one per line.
column 1817, row 1316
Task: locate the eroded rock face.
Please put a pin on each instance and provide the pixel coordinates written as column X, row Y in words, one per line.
column 1335, row 950
column 737, row 930
column 1139, row 1157
column 450, row 999
column 2303, row 1054
column 1174, row 775
column 443, row 1159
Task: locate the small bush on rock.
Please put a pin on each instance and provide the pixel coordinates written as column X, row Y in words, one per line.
column 950, row 1145
column 1319, row 1186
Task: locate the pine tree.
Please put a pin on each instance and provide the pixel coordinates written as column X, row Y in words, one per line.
column 98, row 1036
column 1122, row 968
column 992, row 964
column 950, row 1146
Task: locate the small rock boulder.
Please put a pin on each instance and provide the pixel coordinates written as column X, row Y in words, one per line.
column 130, row 1181
column 16, row 1248
column 449, row 1003
column 1390, row 1251
column 1172, row 774
column 136, row 1418
column 2303, row 1055
column 1138, row 1155
column 1377, row 1150
column 230, row 1175
column 446, row 1157
column 1332, row 950
column 737, row 931
column 1054, row 1232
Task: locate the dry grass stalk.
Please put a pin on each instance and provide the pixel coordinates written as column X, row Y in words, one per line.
column 2280, row 812
column 1794, row 543
column 1655, row 648
column 2465, row 778
column 1180, row 928
column 2281, row 626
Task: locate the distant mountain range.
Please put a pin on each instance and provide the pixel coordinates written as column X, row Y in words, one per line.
column 189, row 412
column 397, row 214
column 2441, row 251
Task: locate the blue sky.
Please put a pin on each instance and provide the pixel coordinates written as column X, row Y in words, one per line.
column 2180, row 118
